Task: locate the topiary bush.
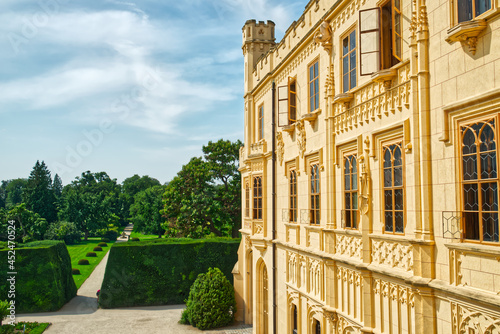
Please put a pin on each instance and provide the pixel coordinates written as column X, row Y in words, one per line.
column 97, row 249
column 211, row 302
column 135, row 239
column 83, row 262
column 102, row 244
column 91, row 254
column 105, row 239
column 75, row 271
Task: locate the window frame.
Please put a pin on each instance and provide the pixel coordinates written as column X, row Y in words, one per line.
column 314, row 196
column 478, row 181
column 398, row 141
column 351, row 210
column 315, row 82
column 292, row 93
column 455, row 11
column 247, row 199
column 292, row 196
column 350, row 32
column 257, row 208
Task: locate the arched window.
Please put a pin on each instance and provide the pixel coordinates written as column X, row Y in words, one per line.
column 351, row 191
column 257, row 197
column 247, row 200
column 479, row 181
column 315, row 198
column 393, row 188
column 293, row 196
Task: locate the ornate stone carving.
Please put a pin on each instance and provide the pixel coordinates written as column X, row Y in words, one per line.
column 467, row 319
column 301, row 137
column 324, row 36
column 259, row 147
column 258, row 228
column 467, row 33
column 423, row 22
column 315, row 275
column 392, row 254
column 403, row 294
column 374, row 102
column 292, row 268
column 346, row 327
column 348, row 245
column 280, row 151
column 365, row 180
column 248, row 242
column 330, row 83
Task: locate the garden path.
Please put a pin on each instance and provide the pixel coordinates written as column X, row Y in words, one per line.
column 81, row 315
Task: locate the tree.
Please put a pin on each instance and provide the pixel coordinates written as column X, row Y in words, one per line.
column 14, row 191
column 205, row 195
column 38, row 194
column 91, row 202
column 132, row 186
column 29, row 225
column 145, row 211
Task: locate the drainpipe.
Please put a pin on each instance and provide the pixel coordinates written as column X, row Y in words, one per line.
column 273, row 158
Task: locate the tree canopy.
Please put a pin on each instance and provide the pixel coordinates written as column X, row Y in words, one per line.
column 38, row 194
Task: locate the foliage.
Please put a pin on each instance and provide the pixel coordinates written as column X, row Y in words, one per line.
column 145, row 211
column 211, row 302
column 131, row 187
column 205, row 196
column 97, row 249
column 75, row 271
column 25, row 328
column 83, row 262
column 11, row 192
column 4, row 310
column 46, row 283
column 29, row 225
column 38, row 194
column 105, row 239
column 111, row 233
column 91, row 201
column 135, row 239
column 161, row 271
column 91, row 254
column 102, row 244
column 63, row 231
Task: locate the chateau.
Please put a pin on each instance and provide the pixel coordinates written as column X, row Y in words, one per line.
column 370, row 170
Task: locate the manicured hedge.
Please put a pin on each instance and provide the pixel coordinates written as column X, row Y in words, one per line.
column 44, row 280
column 161, row 271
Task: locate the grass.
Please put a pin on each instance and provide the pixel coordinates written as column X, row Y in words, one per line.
column 78, row 252
column 31, row 328
column 144, row 236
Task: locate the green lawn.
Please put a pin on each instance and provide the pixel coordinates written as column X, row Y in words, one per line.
column 78, row 252
column 31, row 328
column 144, row 236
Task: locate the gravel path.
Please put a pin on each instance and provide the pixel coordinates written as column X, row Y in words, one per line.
column 81, row 315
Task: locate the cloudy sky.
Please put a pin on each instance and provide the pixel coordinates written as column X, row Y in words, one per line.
column 122, row 87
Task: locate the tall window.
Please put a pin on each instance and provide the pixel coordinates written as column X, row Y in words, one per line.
column 349, row 62
column 468, row 9
column 315, row 198
column 317, row 327
column 294, row 319
column 314, row 86
column 393, row 188
column 261, row 123
column 480, row 181
column 292, row 101
column 293, row 196
column 247, row 200
column 351, row 191
column 257, row 197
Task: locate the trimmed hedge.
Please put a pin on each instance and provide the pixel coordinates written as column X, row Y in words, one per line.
column 75, row 271
column 102, row 244
column 91, row 254
column 83, row 262
column 161, row 271
column 97, row 249
column 44, row 280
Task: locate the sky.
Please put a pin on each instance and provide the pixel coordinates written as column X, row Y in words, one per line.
column 122, row 87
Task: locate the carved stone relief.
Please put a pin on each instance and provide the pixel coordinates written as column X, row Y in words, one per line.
column 348, row 245
column 392, row 254
column 301, row 137
column 280, row 151
column 467, row 320
column 324, row 36
column 364, row 166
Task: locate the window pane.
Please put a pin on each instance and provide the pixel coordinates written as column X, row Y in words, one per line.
column 345, row 46
column 398, row 161
column 353, row 78
column 355, row 200
column 388, row 199
column 387, row 158
column 471, row 222
column 482, row 6
column 489, row 195
column 352, row 40
column 470, row 167
column 397, row 47
column 488, row 165
column 354, row 219
column 469, row 142
column 345, row 85
column 398, row 176
column 388, row 222
column 399, row 222
column 368, row 19
column 487, row 139
column 354, row 181
column 470, row 197
column 490, row 227
column 347, row 185
column 316, row 101
column 352, row 61
column 348, row 218
column 398, row 199
column 388, row 177
column 464, row 10
column 347, row 201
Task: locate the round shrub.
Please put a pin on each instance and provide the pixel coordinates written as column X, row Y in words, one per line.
column 63, row 231
column 97, row 249
column 111, row 234
column 102, row 244
column 105, row 239
column 211, row 302
column 76, row 271
column 135, row 239
column 83, row 262
column 91, row 254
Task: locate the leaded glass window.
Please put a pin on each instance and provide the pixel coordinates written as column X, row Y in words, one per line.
column 351, row 191
column 393, row 188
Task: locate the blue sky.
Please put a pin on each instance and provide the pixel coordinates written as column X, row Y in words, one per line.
column 122, row 87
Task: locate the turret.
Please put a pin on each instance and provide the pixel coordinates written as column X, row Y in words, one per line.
column 258, row 39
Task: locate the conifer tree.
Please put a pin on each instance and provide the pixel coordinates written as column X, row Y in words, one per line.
column 38, row 194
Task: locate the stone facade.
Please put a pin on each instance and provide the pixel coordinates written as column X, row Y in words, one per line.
column 384, row 214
